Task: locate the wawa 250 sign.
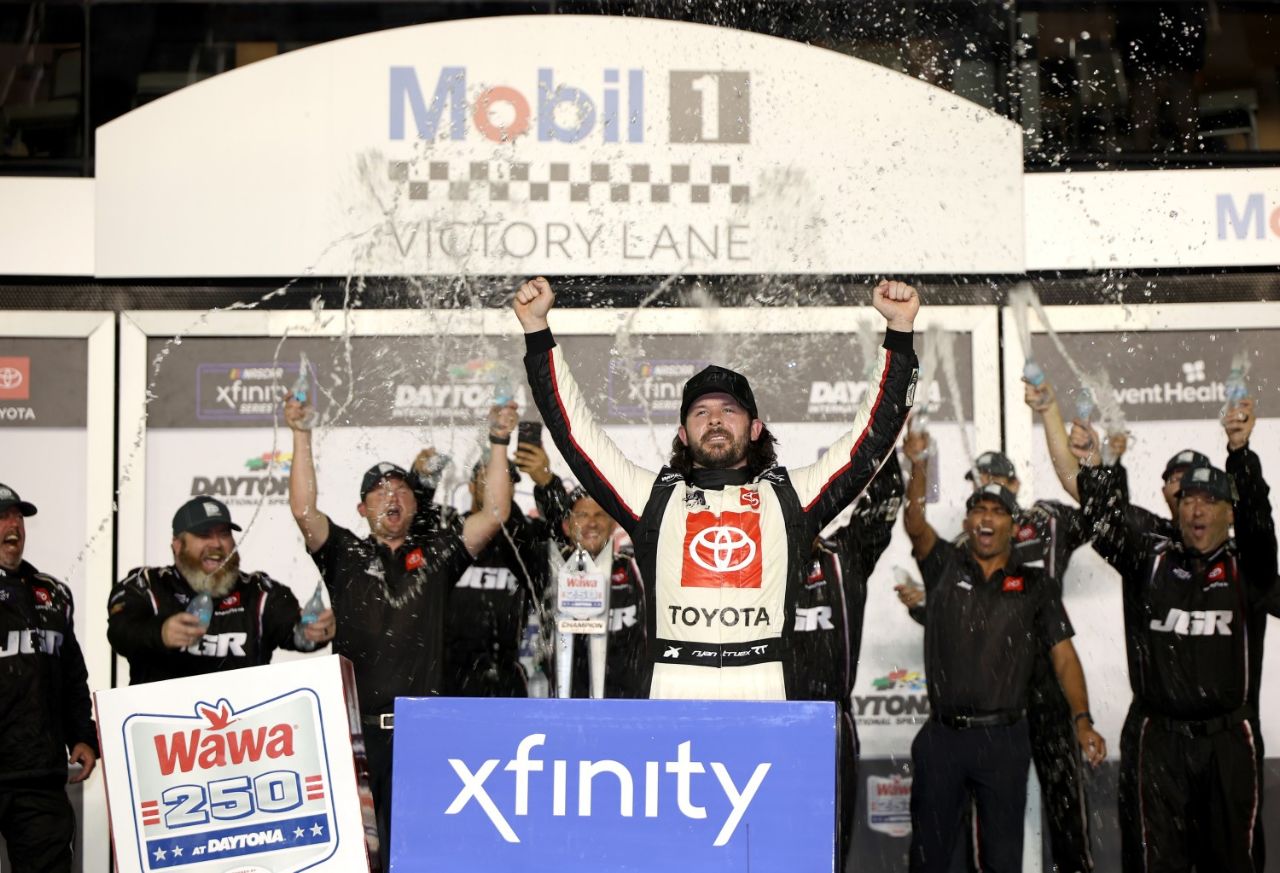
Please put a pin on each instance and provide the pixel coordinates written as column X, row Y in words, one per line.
column 225, row 789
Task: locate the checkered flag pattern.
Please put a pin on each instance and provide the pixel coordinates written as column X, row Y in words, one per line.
column 515, row 182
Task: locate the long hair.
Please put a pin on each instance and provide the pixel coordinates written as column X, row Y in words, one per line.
column 761, row 454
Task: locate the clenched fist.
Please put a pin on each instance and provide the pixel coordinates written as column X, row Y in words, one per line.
column 898, row 302
column 532, row 302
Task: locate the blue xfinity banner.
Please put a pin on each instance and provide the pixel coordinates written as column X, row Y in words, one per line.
column 580, row 786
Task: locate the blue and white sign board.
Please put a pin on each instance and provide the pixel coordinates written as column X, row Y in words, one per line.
column 629, row 786
column 247, row 770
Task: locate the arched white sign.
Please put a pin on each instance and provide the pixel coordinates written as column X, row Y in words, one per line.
column 559, row 144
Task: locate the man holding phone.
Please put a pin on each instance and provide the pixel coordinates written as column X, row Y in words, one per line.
column 491, row 601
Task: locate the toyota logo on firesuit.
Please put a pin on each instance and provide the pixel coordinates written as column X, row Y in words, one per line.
column 716, row 549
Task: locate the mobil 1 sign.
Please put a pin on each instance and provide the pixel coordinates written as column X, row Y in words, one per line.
column 579, row 786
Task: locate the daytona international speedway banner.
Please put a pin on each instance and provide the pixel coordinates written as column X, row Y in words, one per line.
column 251, row 770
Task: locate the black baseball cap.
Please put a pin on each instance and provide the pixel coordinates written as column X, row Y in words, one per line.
column 1208, row 479
column 1182, row 460
column 9, row 498
column 201, row 513
column 718, row 380
column 993, row 491
column 993, row 464
column 382, row 470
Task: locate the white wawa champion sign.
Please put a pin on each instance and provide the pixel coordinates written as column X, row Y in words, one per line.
column 564, row 145
column 248, row 771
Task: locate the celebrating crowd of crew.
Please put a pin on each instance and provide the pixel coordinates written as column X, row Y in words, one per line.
column 1006, row 688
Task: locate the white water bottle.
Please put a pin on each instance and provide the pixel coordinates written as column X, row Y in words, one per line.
column 1034, row 375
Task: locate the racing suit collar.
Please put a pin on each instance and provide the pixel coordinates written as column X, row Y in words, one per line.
column 717, row 479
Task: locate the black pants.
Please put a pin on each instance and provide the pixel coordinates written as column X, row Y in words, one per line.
column 948, row 766
column 1197, row 800
column 847, row 785
column 377, row 743
column 38, row 824
column 1056, row 754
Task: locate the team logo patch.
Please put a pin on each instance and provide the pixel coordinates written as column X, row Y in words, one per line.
column 816, row 575
column 222, row 787
column 1026, row 532
column 1217, row 573
column 618, row 579
column 721, row 552
column 231, row 601
column 1012, row 583
column 414, row 560
column 41, row 595
column 750, row 498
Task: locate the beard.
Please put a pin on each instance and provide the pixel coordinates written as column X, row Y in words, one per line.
column 721, row 456
column 217, row 584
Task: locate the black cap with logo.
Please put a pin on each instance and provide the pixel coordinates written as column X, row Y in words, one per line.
column 201, row 513
column 993, row 464
column 382, row 470
column 9, row 498
column 1184, row 459
column 1207, row 479
column 718, row 380
column 993, row 491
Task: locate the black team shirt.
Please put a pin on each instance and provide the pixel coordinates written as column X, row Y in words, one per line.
column 981, row 635
column 390, row 609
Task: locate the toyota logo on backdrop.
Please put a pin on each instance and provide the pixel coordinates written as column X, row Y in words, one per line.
column 10, row 377
column 722, row 549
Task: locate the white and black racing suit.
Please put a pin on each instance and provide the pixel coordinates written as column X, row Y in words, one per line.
column 722, row 554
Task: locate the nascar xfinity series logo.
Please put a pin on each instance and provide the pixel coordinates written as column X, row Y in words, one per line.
column 242, row 392
column 224, row 786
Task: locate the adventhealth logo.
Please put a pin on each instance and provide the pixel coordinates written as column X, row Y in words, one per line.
column 682, row 771
column 1247, row 218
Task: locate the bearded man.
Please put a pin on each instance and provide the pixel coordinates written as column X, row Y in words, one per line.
column 253, row 615
column 723, row 535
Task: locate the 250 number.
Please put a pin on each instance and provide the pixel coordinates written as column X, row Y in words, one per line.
column 230, row 799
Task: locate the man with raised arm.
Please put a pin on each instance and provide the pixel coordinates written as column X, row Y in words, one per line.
column 723, row 535
column 390, row 590
column 1196, row 600
column 987, row 620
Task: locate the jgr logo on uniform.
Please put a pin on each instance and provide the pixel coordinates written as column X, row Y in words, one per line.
column 232, row 786
column 1197, row 623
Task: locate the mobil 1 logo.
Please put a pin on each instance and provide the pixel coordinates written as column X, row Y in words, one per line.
column 227, row 788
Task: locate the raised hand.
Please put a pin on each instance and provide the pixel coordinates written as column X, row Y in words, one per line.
column 296, row 413
column 1238, row 422
column 532, row 302
column 915, row 445
column 503, row 420
column 531, row 459
column 1040, row 398
column 898, row 302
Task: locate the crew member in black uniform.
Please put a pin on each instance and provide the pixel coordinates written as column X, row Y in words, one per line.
column 253, row 615
column 1045, row 536
column 584, row 524
column 390, row 589
column 1195, row 607
column 986, row 620
column 490, row 603
column 45, row 718
column 723, row 534
column 829, row 612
